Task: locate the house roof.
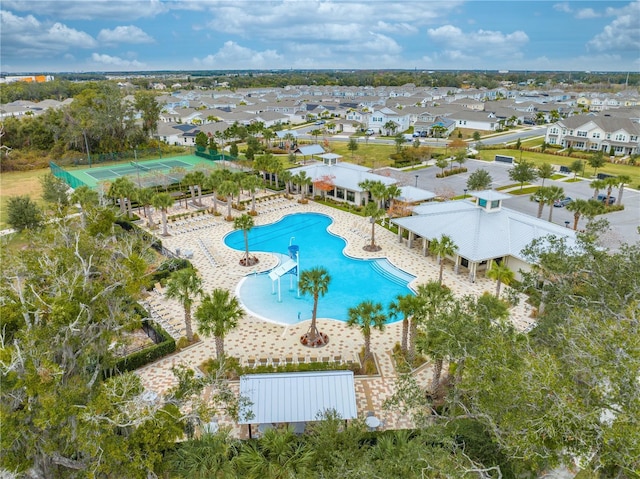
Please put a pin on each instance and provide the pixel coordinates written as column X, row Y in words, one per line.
column 310, row 150
column 411, row 194
column 297, row 397
column 344, row 175
column 481, row 235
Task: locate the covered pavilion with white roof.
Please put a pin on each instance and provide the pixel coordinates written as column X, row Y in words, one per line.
column 482, row 230
column 346, row 178
column 296, row 398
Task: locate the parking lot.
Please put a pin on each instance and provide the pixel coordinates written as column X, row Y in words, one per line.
column 623, row 224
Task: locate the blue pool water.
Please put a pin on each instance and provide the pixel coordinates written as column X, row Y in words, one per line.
column 352, row 280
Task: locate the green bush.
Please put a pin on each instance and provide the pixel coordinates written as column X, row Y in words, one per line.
column 148, row 355
column 451, row 171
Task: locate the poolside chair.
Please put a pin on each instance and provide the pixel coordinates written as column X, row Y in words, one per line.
column 275, row 362
column 263, row 361
column 302, row 359
column 325, row 359
column 251, row 362
column 313, row 359
column 337, row 358
column 288, row 360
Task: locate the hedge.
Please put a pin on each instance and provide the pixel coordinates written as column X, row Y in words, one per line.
column 148, row 355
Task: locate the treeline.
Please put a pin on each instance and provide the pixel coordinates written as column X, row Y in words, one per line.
column 99, row 120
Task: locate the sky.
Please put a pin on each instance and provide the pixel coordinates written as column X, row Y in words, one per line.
column 143, row 35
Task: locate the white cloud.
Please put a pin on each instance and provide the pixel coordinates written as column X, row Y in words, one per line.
column 479, row 43
column 124, row 34
column 234, row 56
column 111, row 61
column 621, row 34
column 93, row 9
column 27, row 36
column 586, row 14
column 562, row 7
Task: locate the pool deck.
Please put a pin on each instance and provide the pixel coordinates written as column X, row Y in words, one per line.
column 254, row 338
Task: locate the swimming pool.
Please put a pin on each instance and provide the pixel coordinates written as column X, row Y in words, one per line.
column 352, row 280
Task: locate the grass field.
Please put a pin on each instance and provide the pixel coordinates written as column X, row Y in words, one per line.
column 538, row 158
column 17, row 183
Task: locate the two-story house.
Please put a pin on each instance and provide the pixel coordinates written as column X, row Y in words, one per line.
column 612, row 135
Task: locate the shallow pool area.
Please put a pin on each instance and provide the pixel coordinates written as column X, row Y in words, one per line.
column 352, row 280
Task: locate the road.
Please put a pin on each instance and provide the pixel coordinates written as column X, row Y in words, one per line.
column 623, row 224
column 496, row 139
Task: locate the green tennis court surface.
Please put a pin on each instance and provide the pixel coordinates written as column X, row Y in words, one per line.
column 144, row 173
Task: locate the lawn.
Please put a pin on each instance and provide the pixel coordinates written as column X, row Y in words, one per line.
column 538, row 158
column 17, row 183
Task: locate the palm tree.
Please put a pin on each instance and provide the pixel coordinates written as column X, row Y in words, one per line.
column 367, row 315
column 391, row 127
column 217, row 314
column 545, row 170
column 162, row 201
column 199, row 179
column 406, row 306
column 442, row 248
column 213, row 182
column 366, row 185
column 229, row 189
column 245, row 223
column 556, row 193
column 252, row 184
column 279, row 454
column 540, row 195
column 303, row 182
column 581, row 207
column 144, row 195
column 206, row 457
column 189, row 181
column 610, row 182
column 374, row 213
column 314, row 281
column 622, row 180
column 285, row 177
column 122, row 188
column 501, row 273
column 183, row 285
column 597, row 185
column 433, row 299
column 379, row 192
column 392, row 192
column 86, row 198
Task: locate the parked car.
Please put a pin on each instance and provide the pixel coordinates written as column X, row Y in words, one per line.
column 603, row 198
column 563, row 202
column 319, row 122
column 369, row 131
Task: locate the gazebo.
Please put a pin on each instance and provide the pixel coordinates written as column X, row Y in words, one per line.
column 296, row 398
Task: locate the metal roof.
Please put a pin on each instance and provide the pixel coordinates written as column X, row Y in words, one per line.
column 479, row 234
column 343, row 174
column 297, row 397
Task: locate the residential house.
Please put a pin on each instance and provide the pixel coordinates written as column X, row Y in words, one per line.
column 613, row 135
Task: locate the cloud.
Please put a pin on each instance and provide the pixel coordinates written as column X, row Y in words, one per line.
column 111, row 61
column 622, row 34
column 481, row 44
column 124, row 34
column 92, row 10
column 27, row 36
column 562, row 7
column 586, row 14
column 234, row 56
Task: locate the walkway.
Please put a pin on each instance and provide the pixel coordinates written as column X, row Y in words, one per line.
column 256, row 339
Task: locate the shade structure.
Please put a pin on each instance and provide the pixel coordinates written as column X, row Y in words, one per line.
column 297, row 397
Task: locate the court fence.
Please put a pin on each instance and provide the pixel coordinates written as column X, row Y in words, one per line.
column 71, row 180
column 124, row 156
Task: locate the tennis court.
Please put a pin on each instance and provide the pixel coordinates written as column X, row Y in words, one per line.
column 147, row 173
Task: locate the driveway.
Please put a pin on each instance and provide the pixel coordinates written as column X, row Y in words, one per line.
column 623, row 224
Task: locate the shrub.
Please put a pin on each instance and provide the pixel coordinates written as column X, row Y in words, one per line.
column 148, row 355
column 451, row 171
